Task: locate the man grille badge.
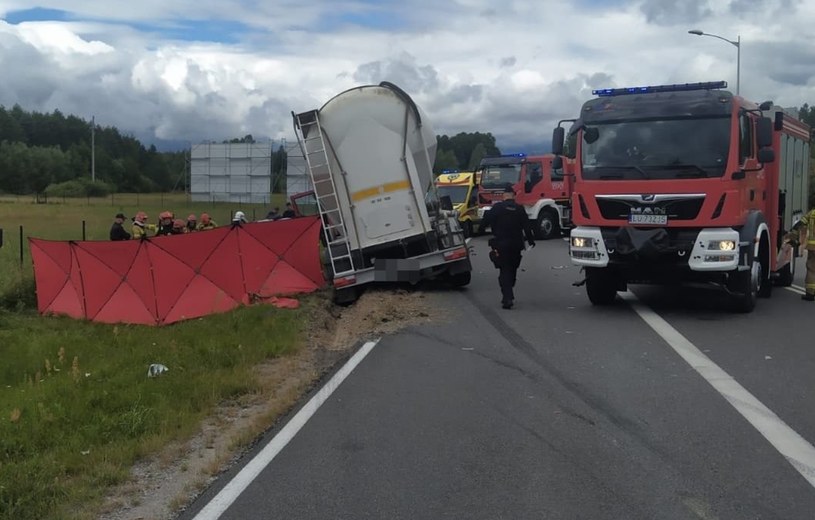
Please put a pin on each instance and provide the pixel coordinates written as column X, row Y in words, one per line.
column 648, row 198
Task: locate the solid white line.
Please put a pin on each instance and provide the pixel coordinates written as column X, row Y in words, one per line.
column 797, row 451
column 215, row 508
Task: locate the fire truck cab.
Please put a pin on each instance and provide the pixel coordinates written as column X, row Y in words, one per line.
column 685, row 183
column 544, row 191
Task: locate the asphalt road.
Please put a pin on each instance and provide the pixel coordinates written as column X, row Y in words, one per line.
column 559, row 410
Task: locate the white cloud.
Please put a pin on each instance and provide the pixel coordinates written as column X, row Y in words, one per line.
column 513, row 71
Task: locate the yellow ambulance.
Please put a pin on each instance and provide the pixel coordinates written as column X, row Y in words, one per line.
column 462, row 188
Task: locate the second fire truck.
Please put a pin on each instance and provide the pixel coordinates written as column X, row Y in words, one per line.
column 677, row 183
column 542, row 190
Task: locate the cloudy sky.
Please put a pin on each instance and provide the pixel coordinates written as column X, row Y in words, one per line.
column 192, row 70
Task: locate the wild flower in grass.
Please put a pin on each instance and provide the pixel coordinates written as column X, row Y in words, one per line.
column 47, row 366
column 75, row 369
column 115, row 330
column 15, row 415
column 61, row 355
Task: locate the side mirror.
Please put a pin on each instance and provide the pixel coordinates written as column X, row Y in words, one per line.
column 764, row 132
column 557, row 162
column 558, row 135
column 766, row 155
column 446, row 203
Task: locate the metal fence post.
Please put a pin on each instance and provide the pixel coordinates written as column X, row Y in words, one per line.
column 21, row 247
column 83, row 230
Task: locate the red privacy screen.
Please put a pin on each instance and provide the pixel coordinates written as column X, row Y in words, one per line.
column 162, row 280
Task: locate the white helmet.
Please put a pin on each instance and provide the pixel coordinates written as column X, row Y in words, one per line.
column 239, row 217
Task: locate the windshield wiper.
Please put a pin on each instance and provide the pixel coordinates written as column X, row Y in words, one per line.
column 692, row 171
column 625, row 168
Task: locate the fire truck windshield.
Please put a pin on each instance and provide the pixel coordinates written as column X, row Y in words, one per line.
column 497, row 176
column 457, row 194
column 656, row 149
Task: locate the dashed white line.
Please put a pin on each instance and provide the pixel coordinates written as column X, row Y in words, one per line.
column 216, row 507
column 798, row 452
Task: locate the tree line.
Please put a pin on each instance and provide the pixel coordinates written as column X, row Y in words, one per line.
column 51, row 152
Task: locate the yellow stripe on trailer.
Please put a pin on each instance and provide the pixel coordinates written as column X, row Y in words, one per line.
column 389, row 187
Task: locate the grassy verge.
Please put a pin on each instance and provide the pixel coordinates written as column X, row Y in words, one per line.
column 77, row 408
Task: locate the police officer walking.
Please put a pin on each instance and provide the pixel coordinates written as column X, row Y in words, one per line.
column 510, row 226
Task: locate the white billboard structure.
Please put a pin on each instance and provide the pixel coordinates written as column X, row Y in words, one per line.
column 231, row 172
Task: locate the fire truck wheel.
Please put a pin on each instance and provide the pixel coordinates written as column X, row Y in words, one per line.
column 601, row 286
column 744, row 286
column 784, row 276
column 547, row 226
column 765, row 286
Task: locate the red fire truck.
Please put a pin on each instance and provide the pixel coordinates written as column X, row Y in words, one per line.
column 684, row 183
column 544, row 191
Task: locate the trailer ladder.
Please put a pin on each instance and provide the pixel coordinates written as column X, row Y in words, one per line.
column 338, row 245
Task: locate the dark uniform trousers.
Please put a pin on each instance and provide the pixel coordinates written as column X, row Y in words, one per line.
column 510, row 261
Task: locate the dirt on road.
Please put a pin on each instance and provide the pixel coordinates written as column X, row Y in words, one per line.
column 161, row 487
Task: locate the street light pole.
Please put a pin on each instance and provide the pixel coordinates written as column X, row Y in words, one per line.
column 736, row 44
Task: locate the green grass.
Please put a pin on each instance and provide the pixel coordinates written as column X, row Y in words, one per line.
column 77, row 409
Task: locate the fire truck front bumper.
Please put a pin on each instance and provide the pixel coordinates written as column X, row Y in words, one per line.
column 587, row 247
column 705, row 250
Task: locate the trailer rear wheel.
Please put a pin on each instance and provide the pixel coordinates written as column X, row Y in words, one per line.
column 459, row 279
column 347, row 295
column 601, row 285
column 467, row 226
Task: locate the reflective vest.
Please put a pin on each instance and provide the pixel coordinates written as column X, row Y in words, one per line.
column 808, row 221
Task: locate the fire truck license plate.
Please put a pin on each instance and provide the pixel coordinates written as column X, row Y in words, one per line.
column 650, row 220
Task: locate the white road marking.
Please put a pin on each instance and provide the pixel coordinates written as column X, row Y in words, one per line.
column 216, row 507
column 798, row 452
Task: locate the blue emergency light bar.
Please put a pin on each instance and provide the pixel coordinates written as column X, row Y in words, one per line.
column 677, row 87
column 449, row 171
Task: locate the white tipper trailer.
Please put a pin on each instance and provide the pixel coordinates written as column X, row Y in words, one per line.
column 370, row 152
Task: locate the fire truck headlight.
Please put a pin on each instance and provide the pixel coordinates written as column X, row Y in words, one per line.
column 721, row 245
column 582, row 242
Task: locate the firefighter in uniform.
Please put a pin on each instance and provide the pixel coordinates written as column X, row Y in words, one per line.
column 140, row 226
column 165, row 223
column 807, row 239
column 206, row 223
column 510, row 226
